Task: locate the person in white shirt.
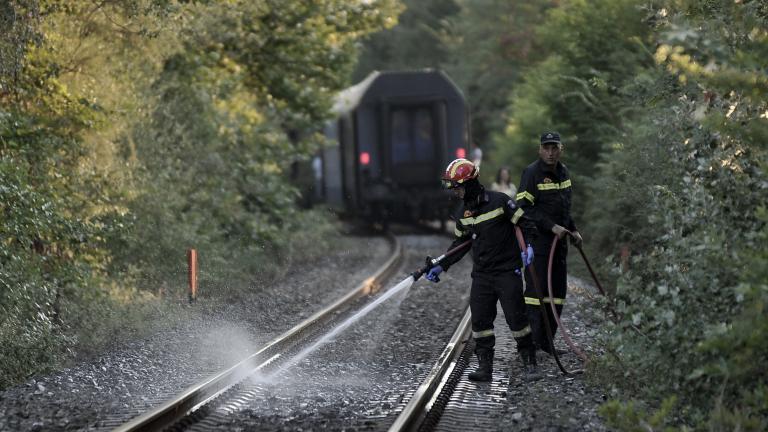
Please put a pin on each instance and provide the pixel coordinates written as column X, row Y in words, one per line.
column 503, row 183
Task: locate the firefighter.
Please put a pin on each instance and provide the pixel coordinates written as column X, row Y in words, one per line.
column 545, row 197
column 489, row 217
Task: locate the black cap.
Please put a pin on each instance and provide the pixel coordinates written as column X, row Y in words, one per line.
column 550, row 137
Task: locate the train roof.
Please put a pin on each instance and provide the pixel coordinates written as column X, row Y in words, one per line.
column 383, row 85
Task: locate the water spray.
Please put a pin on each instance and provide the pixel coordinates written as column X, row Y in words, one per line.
column 401, row 286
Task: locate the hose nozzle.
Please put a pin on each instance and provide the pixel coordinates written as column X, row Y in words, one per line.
column 430, row 262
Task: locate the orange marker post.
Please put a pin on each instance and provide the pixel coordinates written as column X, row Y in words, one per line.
column 624, row 256
column 192, row 264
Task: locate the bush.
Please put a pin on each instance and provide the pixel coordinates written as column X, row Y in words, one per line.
column 689, row 306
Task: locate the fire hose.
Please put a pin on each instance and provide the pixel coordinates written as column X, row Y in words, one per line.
column 544, row 318
column 556, row 316
column 563, row 330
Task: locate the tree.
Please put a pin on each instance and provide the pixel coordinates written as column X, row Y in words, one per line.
column 239, row 102
column 55, row 206
column 491, row 42
column 418, row 41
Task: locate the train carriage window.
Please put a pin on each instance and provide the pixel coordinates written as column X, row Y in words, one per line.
column 412, row 132
column 423, row 141
column 401, row 136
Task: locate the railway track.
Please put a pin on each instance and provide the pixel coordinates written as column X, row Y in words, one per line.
column 197, row 400
column 433, row 395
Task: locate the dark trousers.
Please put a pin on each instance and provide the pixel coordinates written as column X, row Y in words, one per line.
column 559, row 288
column 506, row 288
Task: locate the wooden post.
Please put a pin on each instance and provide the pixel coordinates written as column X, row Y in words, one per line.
column 624, row 258
column 192, row 264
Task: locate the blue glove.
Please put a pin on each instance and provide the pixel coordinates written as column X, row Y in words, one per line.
column 433, row 272
column 527, row 256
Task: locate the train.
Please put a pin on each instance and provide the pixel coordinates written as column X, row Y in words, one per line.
column 393, row 135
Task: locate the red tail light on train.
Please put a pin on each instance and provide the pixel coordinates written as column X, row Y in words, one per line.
column 461, row 153
column 365, row 158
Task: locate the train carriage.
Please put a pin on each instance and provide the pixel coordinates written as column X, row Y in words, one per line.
column 395, row 132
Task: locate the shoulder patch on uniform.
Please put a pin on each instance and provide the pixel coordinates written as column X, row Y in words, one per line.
column 547, row 180
column 467, row 213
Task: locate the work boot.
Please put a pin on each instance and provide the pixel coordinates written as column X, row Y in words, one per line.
column 528, row 356
column 484, row 371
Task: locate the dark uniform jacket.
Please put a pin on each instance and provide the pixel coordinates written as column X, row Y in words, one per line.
column 490, row 221
column 545, row 197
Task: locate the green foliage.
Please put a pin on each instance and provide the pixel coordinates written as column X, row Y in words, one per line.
column 53, row 205
column 697, row 160
column 17, row 32
column 736, row 352
column 632, row 417
column 676, row 293
column 493, row 40
column 236, row 107
column 418, row 41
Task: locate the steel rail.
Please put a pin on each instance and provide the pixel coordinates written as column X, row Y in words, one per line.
column 422, row 401
column 201, row 393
